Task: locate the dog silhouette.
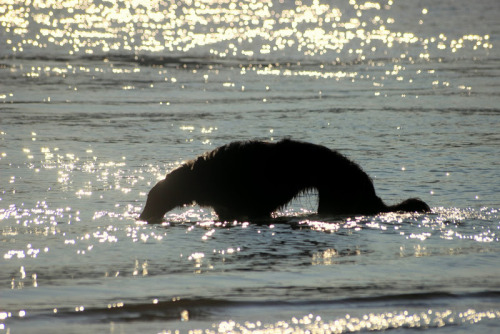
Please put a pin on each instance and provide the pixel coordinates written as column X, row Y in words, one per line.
column 252, row 179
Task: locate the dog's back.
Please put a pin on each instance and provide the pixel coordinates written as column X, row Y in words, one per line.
column 256, row 178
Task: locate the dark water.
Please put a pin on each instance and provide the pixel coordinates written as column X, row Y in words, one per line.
column 100, row 99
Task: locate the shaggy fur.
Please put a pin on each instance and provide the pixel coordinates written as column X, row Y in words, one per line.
column 245, row 180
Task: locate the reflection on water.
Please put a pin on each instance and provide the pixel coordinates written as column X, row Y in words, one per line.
column 367, row 322
column 225, row 29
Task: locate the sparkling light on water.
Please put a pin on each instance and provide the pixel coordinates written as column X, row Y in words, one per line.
column 220, row 28
column 426, row 319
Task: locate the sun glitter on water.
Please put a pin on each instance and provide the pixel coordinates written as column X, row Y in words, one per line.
column 221, row 29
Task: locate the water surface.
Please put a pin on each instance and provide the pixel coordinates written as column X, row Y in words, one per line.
column 100, row 99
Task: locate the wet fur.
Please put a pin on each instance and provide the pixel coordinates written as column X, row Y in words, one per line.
column 245, row 180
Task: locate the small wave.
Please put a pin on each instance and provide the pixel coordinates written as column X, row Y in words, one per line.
column 206, row 308
column 194, row 61
column 157, row 60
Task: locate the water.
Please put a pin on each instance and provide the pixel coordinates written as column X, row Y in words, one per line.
column 100, row 99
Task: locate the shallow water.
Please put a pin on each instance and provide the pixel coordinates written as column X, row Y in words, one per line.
column 100, row 99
